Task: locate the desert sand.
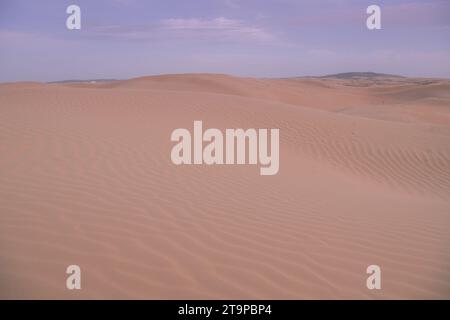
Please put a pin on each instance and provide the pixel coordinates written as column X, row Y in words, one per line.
column 364, row 178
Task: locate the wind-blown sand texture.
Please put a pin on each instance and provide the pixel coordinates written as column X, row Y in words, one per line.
column 86, row 178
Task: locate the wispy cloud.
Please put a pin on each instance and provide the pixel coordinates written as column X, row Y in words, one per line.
column 219, row 27
column 420, row 13
column 216, row 29
column 122, row 2
column 232, row 4
column 26, row 39
column 12, row 35
column 417, row 13
column 197, row 24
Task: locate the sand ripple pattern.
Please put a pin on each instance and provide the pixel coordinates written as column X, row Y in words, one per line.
column 86, row 179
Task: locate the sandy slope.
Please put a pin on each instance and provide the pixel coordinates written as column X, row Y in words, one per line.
column 86, row 179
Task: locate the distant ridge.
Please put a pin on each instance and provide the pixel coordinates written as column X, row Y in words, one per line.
column 359, row 75
column 345, row 75
column 83, row 81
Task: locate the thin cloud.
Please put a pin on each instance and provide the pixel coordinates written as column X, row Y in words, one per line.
column 216, row 29
column 232, row 4
column 421, row 13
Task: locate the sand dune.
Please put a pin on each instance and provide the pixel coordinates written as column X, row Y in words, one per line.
column 87, row 179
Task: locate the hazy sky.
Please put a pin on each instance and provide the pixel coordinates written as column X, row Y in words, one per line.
column 268, row 38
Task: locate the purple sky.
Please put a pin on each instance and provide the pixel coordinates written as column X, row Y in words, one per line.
column 264, row 38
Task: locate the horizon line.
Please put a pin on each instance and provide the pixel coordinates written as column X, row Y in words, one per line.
column 350, row 74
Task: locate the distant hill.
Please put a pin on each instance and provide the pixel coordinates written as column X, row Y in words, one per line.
column 361, row 75
column 83, row 81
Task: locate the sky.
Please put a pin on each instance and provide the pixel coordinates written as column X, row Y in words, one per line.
column 122, row 39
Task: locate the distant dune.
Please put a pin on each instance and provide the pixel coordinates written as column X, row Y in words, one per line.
column 361, row 75
column 364, row 179
column 83, row 81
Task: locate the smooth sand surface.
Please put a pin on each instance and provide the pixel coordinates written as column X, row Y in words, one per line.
column 86, row 179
